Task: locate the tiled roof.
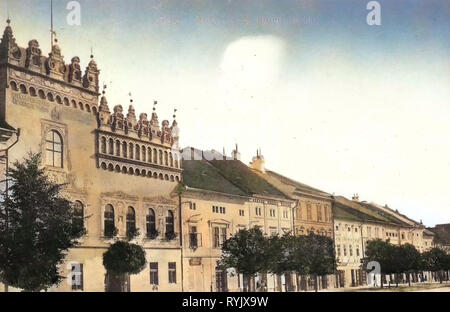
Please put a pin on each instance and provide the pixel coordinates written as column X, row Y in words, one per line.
column 245, row 179
column 200, row 174
column 299, row 187
column 362, row 212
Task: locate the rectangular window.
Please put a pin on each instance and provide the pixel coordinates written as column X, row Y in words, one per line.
column 345, row 250
column 241, row 213
column 351, row 250
column 223, row 232
column 319, row 213
column 172, row 273
column 154, row 273
column 193, row 237
column 77, row 277
column 357, row 251
column 193, row 206
column 338, row 250
column 308, row 212
column 216, row 237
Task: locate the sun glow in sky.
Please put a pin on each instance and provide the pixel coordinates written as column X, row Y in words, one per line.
column 332, row 102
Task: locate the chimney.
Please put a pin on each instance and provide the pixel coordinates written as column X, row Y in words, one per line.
column 355, row 197
column 258, row 162
column 236, row 155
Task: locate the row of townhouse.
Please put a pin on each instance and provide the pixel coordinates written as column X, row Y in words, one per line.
column 123, row 171
column 357, row 222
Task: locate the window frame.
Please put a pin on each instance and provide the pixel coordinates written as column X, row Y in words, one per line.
column 52, row 151
column 172, row 272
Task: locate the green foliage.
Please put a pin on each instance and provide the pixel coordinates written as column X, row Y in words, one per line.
column 320, row 254
column 246, row 252
column 153, row 234
column 36, row 228
column 288, row 254
column 124, row 258
column 381, row 252
column 405, row 258
column 132, row 233
column 171, row 235
column 111, row 231
column 436, row 260
column 250, row 252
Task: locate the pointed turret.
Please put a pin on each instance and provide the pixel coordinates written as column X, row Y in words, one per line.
column 56, row 68
column 8, row 47
column 104, row 113
column 90, row 79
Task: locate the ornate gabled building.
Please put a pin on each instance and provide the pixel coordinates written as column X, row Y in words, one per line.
column 121, row 172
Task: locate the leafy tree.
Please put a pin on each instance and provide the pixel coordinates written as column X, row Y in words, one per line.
column 36, row 228
column 123, row 258
column 381, row 252
column 436, row 260
column 320, row 256
column 288, row 254
column 409, row 260
column 247, row 252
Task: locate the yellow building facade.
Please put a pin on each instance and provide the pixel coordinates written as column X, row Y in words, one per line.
column 120, row 170
column 356, row 223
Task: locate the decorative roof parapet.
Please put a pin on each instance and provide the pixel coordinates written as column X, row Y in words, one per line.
column 129, row 126
column 52, row 66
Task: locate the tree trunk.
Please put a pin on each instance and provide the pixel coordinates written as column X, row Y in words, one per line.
column 409, row 280
column 247, row 281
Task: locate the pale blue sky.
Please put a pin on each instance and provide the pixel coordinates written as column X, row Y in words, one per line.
column 332, row 102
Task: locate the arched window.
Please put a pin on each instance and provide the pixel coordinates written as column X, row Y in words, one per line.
column 32, row 91
column 13, row 85
column 41, row 94
column 170, row 229
column 103, row 145
column 131, row 221
column 124, row 149
column 110, row 227
column 78, row 214
column 144, row 158
column 166, row 158
column 161, row 157
column 149, row 152
column 155, row 156
column 138, row 152
column 118, row 148
column 54, row 149
column 131, row 150
column 171, row 160
column 151, row 224
column 111, row 146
